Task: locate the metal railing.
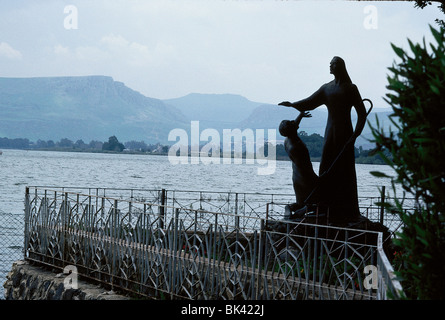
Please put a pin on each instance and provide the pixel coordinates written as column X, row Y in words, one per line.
column 260, row 205
column 144, row 245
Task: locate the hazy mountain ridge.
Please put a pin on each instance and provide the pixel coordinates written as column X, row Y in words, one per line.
column 216, row 111
column 97, row 107
column 92, row 107
column 229, row 108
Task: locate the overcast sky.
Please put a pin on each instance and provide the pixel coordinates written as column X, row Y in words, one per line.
column 267, row 51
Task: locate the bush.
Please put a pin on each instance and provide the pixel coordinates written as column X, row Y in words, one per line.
column 417, row 150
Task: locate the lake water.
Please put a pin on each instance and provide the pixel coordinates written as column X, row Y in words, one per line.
column 20, row 168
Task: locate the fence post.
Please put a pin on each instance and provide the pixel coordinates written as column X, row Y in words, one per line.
column 236, row 212
column 261, row 256
column 316, row 259
column 27, row 215
column 114, row 241
column 345, row 263
column 162, row 209
column 44, row 215
column 174, row 255
column 382, row 207
column 90, row 215
column 130, row 207
column 65, row 217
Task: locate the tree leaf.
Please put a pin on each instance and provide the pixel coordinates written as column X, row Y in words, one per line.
column 379, row 174
column 435, row 89
column 398, row 51
column 437, row 35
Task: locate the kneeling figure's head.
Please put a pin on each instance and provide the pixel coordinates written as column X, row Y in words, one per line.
column 287, row 128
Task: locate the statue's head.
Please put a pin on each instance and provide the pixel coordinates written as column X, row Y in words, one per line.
column 335, row 65
column 286, row 128
column 338, row 68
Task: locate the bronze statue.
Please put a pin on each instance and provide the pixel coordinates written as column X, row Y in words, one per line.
column 337, row 186
column 304, row 178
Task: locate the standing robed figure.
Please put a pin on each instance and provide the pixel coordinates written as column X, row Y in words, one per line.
column 337, row 187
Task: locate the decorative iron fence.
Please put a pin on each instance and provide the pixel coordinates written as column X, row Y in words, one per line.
column 140, row 243
column 267, row 206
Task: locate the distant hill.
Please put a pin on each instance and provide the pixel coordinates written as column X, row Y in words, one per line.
column 97, row 107
column 90, row 107
column 217, row 111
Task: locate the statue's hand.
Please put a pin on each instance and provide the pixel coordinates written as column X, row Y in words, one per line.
column 307, row 114
column 285, row 103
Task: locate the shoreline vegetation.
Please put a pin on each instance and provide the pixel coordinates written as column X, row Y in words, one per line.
column 314, row 142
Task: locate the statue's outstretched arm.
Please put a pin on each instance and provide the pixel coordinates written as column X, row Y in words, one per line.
column 310, row 103
column 302, row 115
